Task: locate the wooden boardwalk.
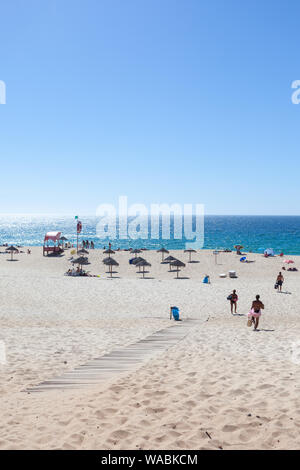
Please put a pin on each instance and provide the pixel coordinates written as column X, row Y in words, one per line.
column 119, row 361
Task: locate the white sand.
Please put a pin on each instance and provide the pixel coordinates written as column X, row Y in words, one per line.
column 239, row 386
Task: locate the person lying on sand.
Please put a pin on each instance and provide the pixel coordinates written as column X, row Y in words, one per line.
column 255, row 311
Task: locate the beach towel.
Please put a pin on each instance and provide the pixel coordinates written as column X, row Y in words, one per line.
column 254, row 314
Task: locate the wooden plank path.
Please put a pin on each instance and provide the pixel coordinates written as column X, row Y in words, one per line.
column 119, row 361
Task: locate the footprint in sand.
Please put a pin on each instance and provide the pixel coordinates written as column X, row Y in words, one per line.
column 77, row 438
column 229, row 428
column 120, row 434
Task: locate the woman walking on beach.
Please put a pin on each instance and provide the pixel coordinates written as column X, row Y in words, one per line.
column 279, row 281
column 233, row 301
column 255, row 311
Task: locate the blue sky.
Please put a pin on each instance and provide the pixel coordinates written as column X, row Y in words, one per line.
column 163, row 101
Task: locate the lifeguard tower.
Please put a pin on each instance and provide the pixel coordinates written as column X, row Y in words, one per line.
column 53, row 247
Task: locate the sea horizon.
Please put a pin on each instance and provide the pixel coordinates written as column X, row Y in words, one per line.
column 254, row 232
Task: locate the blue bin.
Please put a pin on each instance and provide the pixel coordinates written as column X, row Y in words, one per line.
column 175, row 313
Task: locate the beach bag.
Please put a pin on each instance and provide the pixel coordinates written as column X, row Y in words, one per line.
column 276, row 285
column 229, row 297
column 249, row 322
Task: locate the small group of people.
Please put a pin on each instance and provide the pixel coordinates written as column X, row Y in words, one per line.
column 255, row 311
column 257, row 305
column 76, row 272
column 88, row 244
column 79, row 272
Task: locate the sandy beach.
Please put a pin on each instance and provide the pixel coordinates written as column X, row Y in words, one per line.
column 223, row 386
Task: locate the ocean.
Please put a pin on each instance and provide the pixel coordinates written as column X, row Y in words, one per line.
column 255, row 233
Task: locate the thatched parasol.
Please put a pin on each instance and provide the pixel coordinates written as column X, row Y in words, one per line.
column 137, row 260
column 12, row 249
column 109, row 252
column 163, row 251
column 190, row 251
column 178, row 264
column 82, row 251
column 135, row 251
column 169, row 259
column 82, row 260
column 110, row 262
column 143, row 263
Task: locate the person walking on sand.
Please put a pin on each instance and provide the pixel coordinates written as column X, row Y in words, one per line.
column 233, row 301
column 255, row 312
column 279, row 281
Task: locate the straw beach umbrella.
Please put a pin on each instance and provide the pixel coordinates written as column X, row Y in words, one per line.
column 169, row 260
column 110, row 262
column 137, row 260
column 82, row 261
column 190, row 251
column 163, row 251
column 62, row 239
column 135, row 252
column 109, row 252
column 143, row 264
column 12, row 249
column 83, row 251
column 178, row 264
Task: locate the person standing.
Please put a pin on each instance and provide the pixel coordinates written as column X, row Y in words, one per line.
column 233, row 301
column 279, row 281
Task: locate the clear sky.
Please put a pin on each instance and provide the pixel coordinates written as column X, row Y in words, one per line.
column 183, row 101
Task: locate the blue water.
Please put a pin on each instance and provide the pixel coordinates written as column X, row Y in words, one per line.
column 255, row 233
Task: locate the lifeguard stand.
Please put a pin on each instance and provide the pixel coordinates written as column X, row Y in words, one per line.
column 53, row 237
